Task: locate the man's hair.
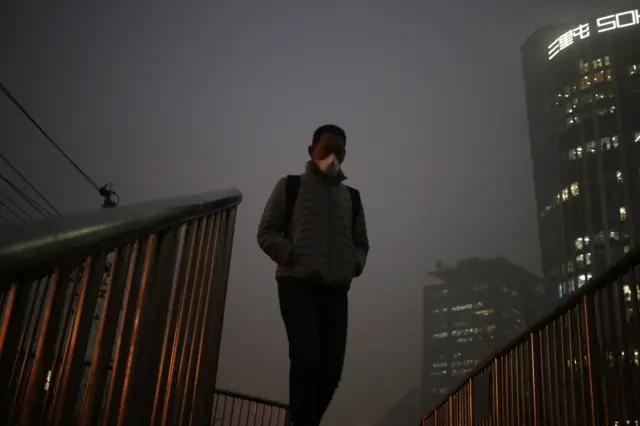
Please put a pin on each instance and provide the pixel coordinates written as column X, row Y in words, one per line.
column 331, row 129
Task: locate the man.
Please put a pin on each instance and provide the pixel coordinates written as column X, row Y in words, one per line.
column 313, row 227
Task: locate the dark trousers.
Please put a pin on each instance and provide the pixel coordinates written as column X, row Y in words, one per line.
column 315, row 317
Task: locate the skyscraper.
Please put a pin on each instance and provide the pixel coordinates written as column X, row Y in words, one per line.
column 582, row 83
column 478, row 308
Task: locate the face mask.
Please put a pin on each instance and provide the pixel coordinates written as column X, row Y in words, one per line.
column 329, row 165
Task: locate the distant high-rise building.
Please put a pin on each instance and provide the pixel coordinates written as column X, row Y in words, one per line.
column 406, row 412
column 480, row 306
column 582, row 83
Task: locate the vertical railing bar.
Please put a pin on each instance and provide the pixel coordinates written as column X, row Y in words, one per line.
column 15, row 321
column 105, row 338
column 185, row 343
column 141, row 250
column 187, row 274
column 543, row 393
column 572, row 418
column 205, row 385
column 581, row 358
column 597, row 348
column 590, row 334
column 154, row 311
column 27, row 341
column 634, row 335
column 556, row 369
column 533, row 380
column 62, row 345
column 187, row 402
column 495, row 409
column 608, row 300
column 64, row 399
column 519, row 388
column 184, row 236
column 137, row 322
column 49, row 328
column 629, row 411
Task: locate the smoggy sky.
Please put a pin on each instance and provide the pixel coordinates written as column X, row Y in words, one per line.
column 165, row 100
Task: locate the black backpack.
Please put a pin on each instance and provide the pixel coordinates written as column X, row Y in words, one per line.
column 293, row 187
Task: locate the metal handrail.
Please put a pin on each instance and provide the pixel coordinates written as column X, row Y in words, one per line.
column 613, row 274
column 140, row 291
column 68, row 238
column 257, row 400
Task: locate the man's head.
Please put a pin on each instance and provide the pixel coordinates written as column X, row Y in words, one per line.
column 327, row 140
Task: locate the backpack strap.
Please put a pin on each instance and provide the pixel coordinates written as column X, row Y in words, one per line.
column 356, row 206
column 293, row 187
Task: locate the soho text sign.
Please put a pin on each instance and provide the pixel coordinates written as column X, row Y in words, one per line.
column 603, row 24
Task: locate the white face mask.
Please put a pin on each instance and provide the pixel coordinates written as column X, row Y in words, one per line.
column 330, row 165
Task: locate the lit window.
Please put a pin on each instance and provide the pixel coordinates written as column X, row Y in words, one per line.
column 599, row 96
column 579, row 243
column 565, row 194
column 609, row 76
column 591, row 147
column 585, row 82
column 619, row 177
column 607, row 61
column 462, row 307
column 575, row 189
column 606, row 143
column 614, row 235
column 440, row 335
column 579, row 150
column 573, row 155
column 623, row 213
column 580, row 260
column 568, row 109
column 636, row 137
column 586, row 241
column 484, row 312
column 614, row 141
column 582, row 279
column 560, row 290
column 598, row 77
column 597, row 63
column 634, row 69
column 546, row 210
column 558, row 198
column 584, row 66
column 627, row 293
column 612, row 109
column 627, row 248
column 588, row 258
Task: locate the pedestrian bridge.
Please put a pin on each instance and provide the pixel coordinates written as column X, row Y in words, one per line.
column 114, row 317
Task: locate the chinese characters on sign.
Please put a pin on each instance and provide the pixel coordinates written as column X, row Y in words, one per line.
column 603, row 24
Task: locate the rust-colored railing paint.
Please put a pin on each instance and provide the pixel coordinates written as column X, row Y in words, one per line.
column 116, row 318
column 578, row 366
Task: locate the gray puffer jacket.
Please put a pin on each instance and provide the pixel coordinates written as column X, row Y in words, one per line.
column 319, row 242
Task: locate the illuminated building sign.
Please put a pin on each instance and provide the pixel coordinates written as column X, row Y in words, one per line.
column 603, row 24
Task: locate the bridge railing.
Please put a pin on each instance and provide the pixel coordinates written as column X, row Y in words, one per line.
column 115, row 317
column 235, row 409
column 578, row 366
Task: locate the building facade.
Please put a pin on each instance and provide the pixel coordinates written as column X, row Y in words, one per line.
column 582, row 84
column 479, row 307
